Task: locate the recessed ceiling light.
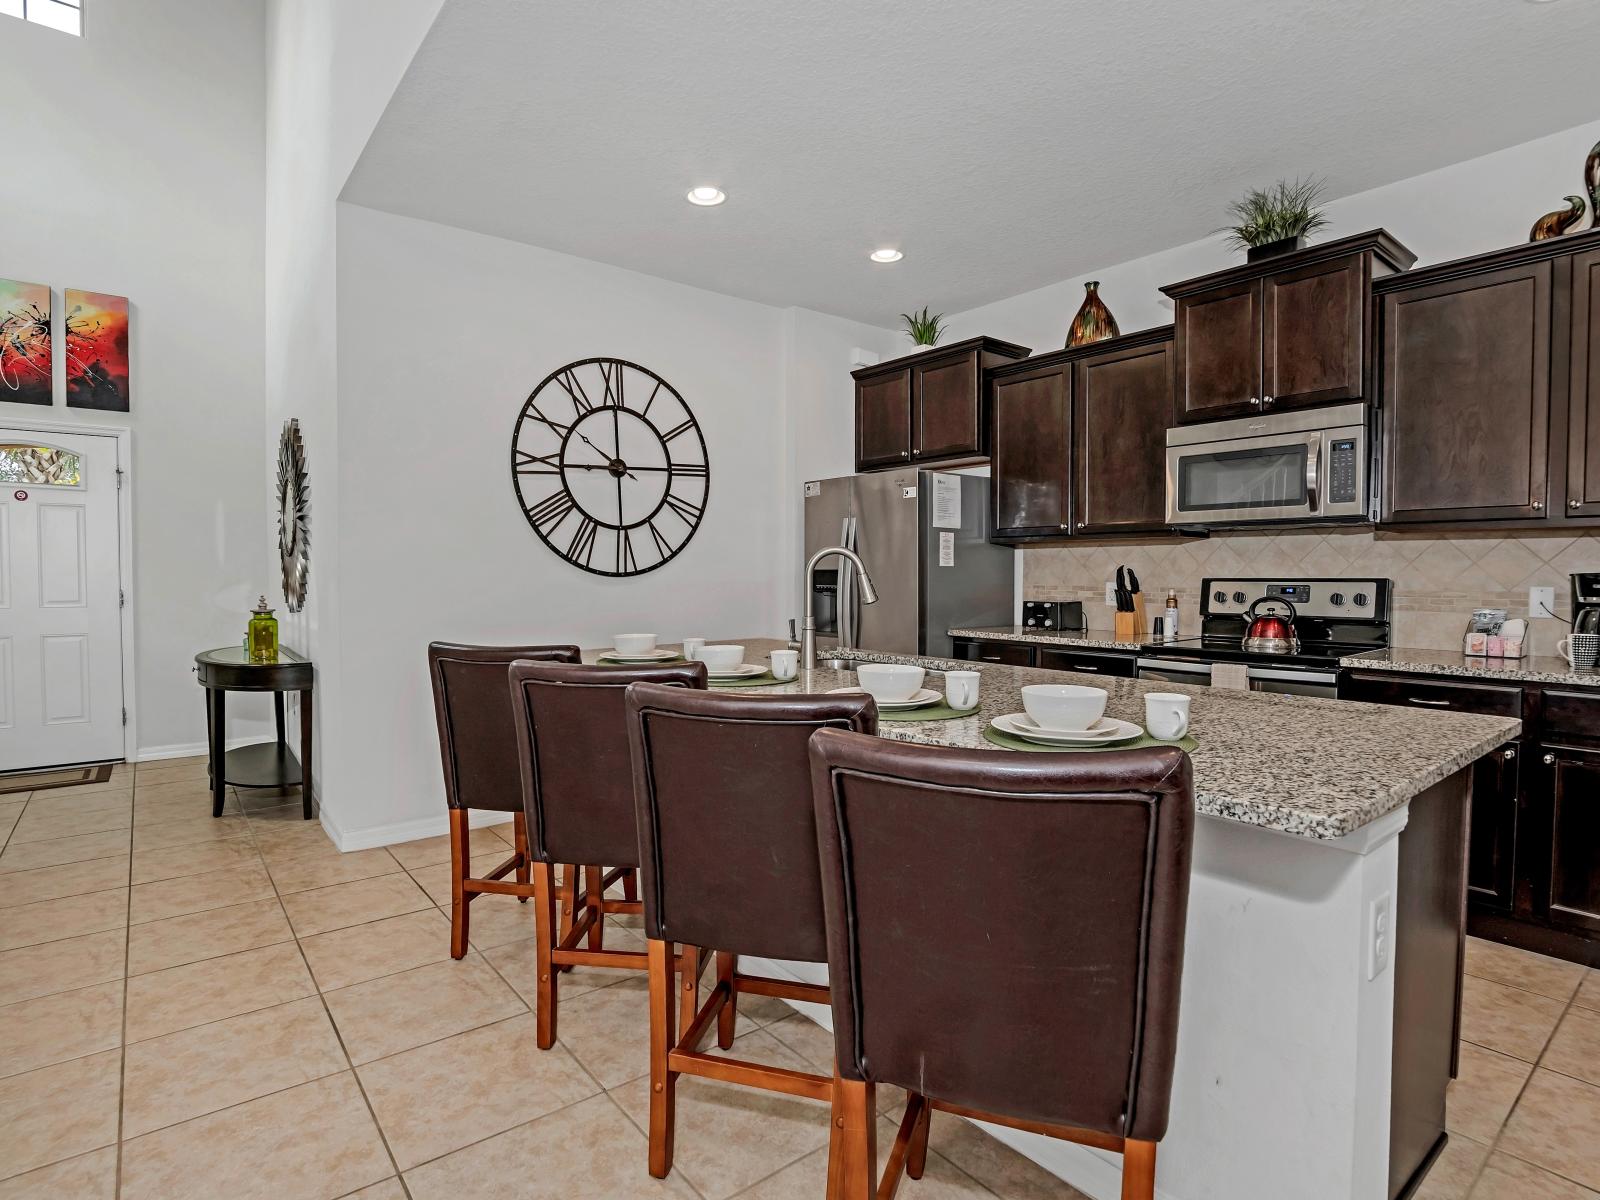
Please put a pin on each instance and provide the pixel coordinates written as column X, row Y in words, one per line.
column 705, row 197
column 887, row 254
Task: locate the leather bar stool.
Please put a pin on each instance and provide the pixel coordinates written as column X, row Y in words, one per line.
column 577, row 789
column 1063, row 1024
column 728, row 862
column 478, row 747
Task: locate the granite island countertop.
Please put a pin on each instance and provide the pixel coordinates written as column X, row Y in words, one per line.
column 1300, row 765
column 1534, row 669
column 1042, row 637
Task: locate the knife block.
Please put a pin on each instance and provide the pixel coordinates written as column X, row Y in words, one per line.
column 1130, row 626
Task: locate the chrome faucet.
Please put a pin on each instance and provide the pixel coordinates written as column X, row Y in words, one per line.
column 808, row 626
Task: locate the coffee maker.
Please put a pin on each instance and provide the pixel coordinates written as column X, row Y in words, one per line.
column 1586, row 602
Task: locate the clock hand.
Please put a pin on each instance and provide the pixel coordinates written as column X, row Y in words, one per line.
column 597, row 450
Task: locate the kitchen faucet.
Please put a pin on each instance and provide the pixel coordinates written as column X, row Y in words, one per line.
column 808, row 626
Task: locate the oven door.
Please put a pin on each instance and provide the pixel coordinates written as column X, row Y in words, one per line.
column 1294, row 683
column 1174, row 670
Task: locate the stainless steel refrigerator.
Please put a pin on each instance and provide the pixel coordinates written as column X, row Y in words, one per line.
column 923, row 536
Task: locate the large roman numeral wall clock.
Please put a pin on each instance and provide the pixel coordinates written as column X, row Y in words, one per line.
column 610, row 466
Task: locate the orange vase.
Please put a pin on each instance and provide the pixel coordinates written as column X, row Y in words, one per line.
column 1094, row 322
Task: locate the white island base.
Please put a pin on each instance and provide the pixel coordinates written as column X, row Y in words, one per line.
column 1289, row 1034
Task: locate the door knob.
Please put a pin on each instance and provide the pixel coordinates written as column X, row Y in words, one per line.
column 1549, row 760
column 1508, row 753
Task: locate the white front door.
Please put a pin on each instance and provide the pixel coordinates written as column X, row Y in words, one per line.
column 60, row 619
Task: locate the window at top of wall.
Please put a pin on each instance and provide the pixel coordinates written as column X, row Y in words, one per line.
column 65, row 15
column 39, row 466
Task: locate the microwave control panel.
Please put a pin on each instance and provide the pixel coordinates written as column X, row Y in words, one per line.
column 1342, row 471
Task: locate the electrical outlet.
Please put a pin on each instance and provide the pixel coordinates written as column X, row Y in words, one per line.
column 1380, row 935
column 1111, row 595
column 1541, row 602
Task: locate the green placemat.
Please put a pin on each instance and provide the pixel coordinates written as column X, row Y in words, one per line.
column 765, row 679
column 933, row 712
column 1139, row 743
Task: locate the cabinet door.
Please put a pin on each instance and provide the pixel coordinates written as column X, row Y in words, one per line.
column 1218, row 353
column 1012, row 654
column 1583, row 445
column 1122, row 403
column 1030, row 445
column 1087, row 661
column 883, row 420
column 1573, row 783
column 1312, row 334
column 1492, row 849
column 1466, row 397
column 947, row 410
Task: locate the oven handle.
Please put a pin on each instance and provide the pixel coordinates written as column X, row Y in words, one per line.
column 1177, row 665
column 1292, row 676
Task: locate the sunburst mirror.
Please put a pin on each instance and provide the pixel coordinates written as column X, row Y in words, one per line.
column 294, row 515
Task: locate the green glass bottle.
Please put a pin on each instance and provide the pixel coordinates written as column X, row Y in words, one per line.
column 262, row 636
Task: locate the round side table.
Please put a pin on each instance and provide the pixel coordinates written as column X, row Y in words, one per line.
column 265, row 764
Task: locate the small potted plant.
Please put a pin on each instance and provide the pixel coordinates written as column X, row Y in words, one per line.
column 923, row 330
column 1275, row 220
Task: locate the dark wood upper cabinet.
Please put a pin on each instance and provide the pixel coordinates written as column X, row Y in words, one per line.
column 1583, row 411
column 883, row 420
column 1032, row 451
column 930, row 407
column 1466, row 396
column 1286, row 332
column 1122, row 404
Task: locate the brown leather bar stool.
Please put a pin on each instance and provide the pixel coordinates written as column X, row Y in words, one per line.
column 727, row 861
column 577, row 789
column 1064, row 1024
column 478, row 747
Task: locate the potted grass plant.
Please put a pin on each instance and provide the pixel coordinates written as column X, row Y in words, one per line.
column 923, row 330
column 1276, row 220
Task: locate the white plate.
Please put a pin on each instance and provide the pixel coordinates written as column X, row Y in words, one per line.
column 653, row 656
column 1104, row 728
column 920, row 698
column 742, row 671
column 1126, row 731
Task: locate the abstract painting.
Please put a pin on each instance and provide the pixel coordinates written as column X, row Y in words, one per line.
column 96, row 335
column 24, row 343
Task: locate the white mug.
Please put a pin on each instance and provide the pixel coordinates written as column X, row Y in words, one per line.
column 1580, row 650
column 785, row 664
column 1166, row 715
column 961, row 689
column 691, row 647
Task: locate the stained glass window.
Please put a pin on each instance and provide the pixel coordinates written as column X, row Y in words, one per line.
column 38, row 466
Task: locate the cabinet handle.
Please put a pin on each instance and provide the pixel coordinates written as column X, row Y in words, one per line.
column 1549, row 760
column 1266, row 402
column 1434, row 703
column 1572, row 504
column 1538, row 506
column 982, row 659
column 1080, row 525
column 905, row 454
column 1083, row 667
column 1255, row 401
column 1508, row 753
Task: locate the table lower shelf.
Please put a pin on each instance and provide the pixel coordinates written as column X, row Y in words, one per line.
column 262, row 765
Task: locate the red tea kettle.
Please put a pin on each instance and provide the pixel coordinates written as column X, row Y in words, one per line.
column 1271, row 634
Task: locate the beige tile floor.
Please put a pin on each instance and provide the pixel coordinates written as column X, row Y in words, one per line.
column 231, row 1008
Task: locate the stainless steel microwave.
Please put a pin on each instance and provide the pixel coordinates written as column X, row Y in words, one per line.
column 1309, row 465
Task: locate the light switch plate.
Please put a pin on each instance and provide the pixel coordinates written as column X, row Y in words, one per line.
column 1111, row 595
column 1541, row 601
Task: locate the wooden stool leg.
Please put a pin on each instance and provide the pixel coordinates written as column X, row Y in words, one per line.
column 1138, row 1170
column 917, row 1151
column 569, row 902
column 519, row 832
column 630, row 885
column 593, row 896
column 689, row 1001
column 460, row 865
column 544, row 942
column 853, row 1141
column 728, row 1015
column 663, row 1082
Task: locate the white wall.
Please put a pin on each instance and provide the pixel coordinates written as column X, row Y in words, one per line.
column 134, row 166
column 442, row 334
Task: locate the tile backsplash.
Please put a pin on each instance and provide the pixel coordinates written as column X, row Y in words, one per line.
column 1438, row 578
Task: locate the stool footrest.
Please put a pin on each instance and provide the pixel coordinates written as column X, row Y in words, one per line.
column 749, row 1074
column 781, row 989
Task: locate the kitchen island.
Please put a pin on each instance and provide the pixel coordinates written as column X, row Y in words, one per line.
column 1324, row 953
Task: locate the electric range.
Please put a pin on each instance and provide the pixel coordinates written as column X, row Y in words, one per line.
column 1334, row 617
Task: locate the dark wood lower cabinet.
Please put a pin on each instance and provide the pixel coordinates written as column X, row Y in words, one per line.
column 1012, row 654
column 1572, row 895
column 1491, row 852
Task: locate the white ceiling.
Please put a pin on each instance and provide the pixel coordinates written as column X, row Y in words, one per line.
column 1002, row 145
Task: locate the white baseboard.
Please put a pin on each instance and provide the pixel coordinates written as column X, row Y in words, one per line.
column 402, row 831
column 190, row 749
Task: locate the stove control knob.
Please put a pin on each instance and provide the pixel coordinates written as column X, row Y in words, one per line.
column 1337, row 598
column 1238, row 597
column 1220, row 597
column 1361, row 599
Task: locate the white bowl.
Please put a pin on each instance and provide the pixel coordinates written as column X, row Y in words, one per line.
column 721, row 658
column 633, row 643
column 1064, row 706
column 889, row 681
